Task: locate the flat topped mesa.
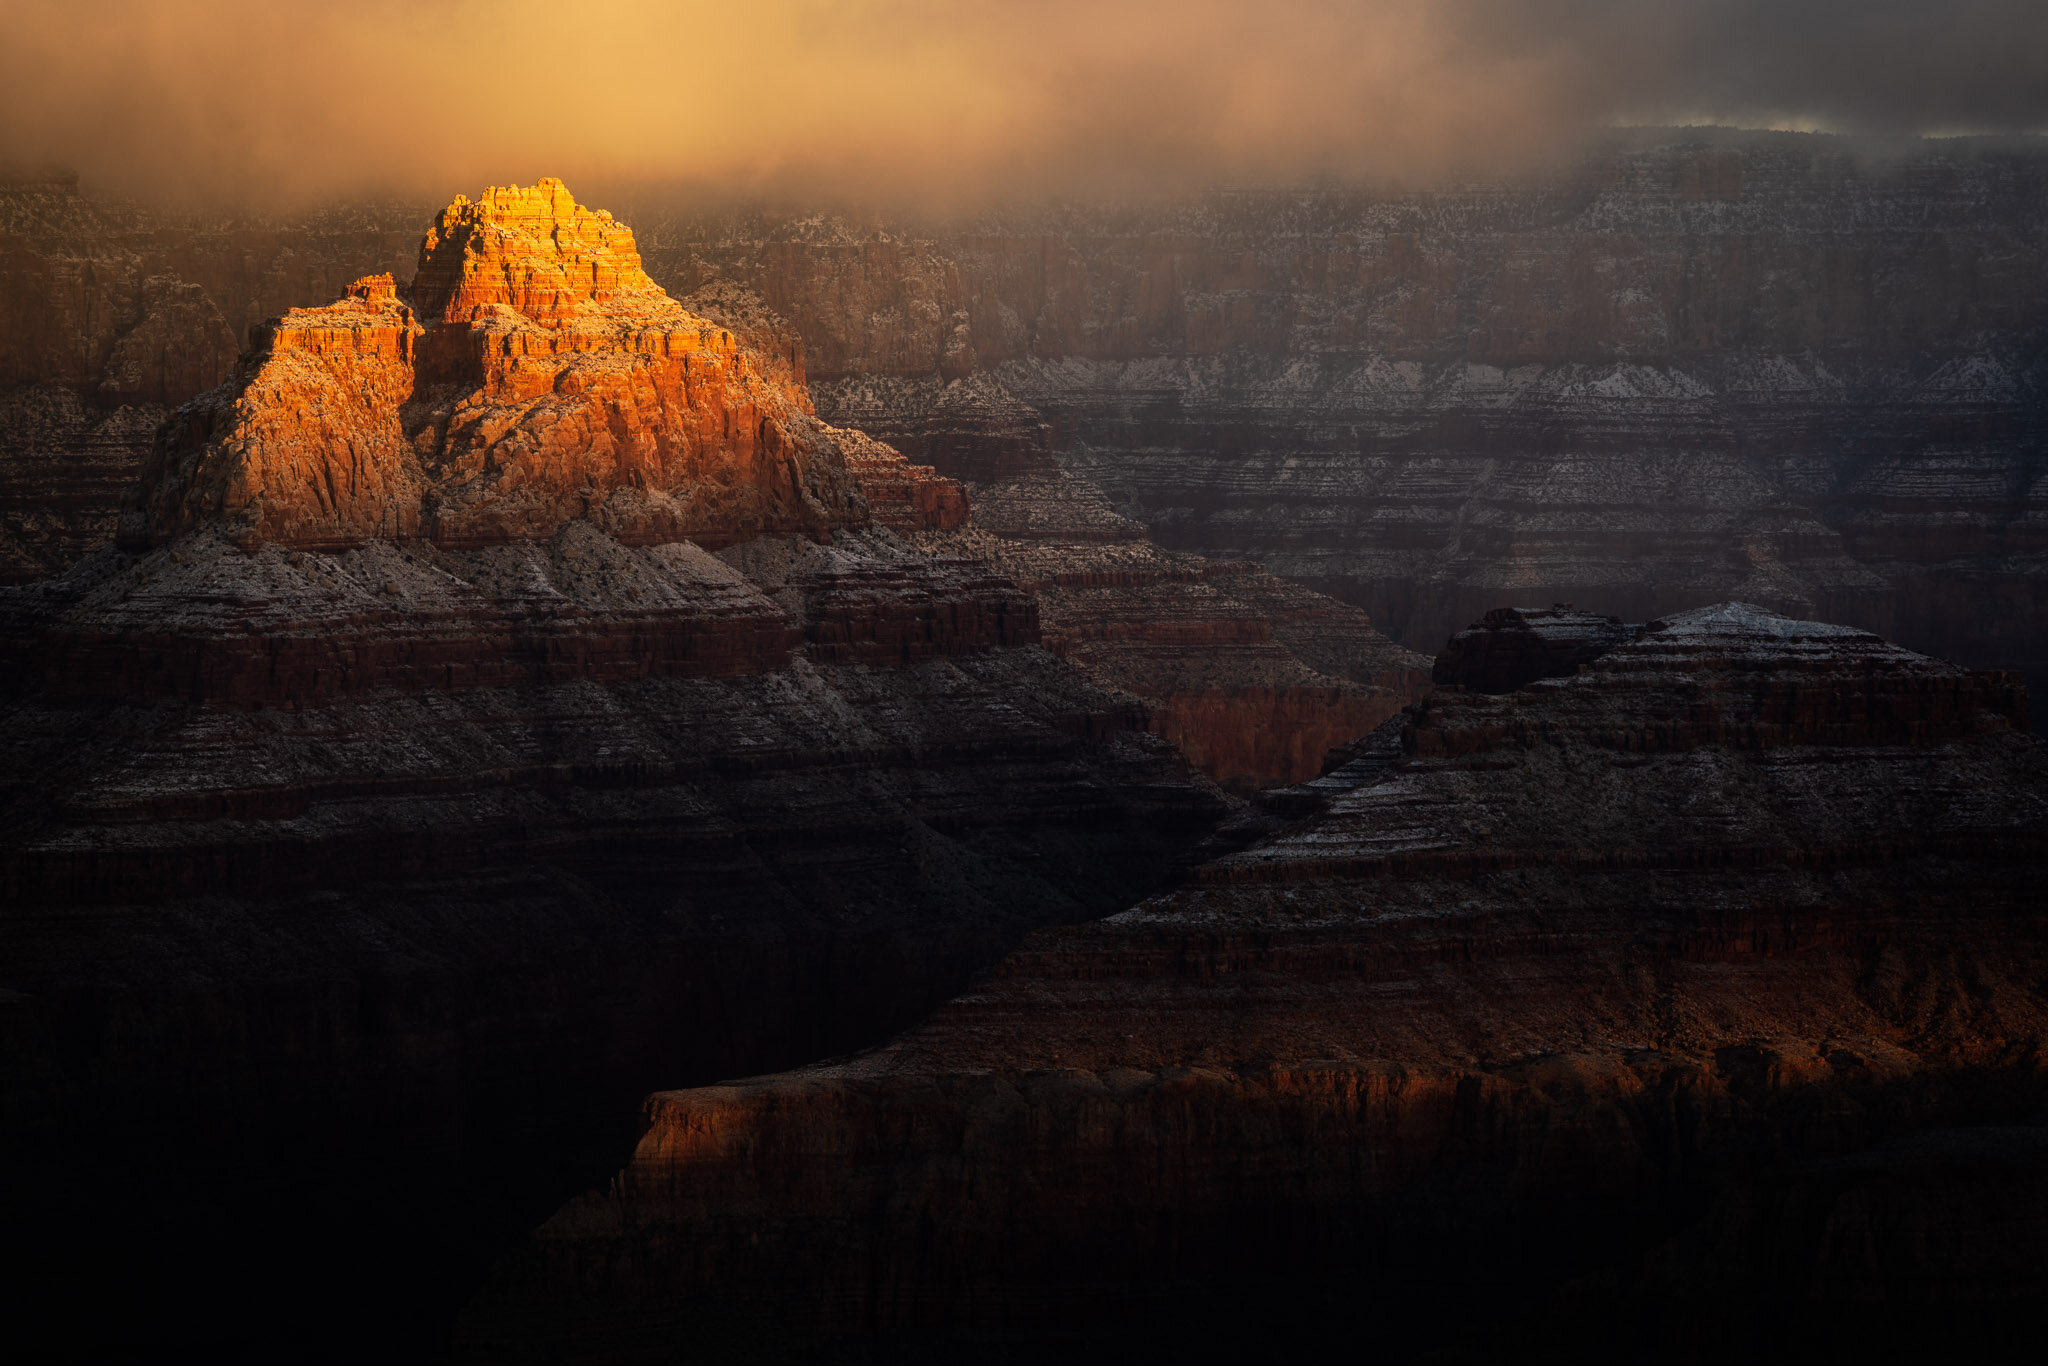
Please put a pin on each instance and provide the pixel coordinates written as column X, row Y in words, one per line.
column 532, row 375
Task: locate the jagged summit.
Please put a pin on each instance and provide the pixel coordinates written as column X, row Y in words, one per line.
column 532, row 374
column 533, row 249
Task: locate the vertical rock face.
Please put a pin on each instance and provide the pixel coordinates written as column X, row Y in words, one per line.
column 307, row 450
column 501, row 702
column 534, row 250
column 1816, row 385
column 1548, row 974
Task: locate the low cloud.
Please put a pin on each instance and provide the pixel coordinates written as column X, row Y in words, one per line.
column 285, row 102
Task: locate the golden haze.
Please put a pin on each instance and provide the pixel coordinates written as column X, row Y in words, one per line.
column 943, row 101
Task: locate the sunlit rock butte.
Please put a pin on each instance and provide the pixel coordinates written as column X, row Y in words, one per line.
column 535, row 375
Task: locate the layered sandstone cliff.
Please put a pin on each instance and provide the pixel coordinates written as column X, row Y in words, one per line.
column 501, row 701
column 1694, row 365
column 1558, row 1019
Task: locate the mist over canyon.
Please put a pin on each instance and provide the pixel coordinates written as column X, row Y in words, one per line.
column 633, row 785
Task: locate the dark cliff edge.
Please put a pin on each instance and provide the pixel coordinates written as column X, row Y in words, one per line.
column 1686, row 1006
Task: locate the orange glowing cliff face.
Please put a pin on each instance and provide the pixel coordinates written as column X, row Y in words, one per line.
column 535, row 250
column 532, row 374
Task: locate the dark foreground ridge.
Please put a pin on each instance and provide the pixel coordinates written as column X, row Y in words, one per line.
column 1685, row 1006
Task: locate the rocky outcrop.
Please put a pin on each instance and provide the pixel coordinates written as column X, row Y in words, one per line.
column 1816, row 387
column 904, row 497
column 306, row 448
column 407, row 793
column 1472, row 1048
column 1734, row 677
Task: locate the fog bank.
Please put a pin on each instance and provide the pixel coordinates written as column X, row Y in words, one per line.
column 281, row 102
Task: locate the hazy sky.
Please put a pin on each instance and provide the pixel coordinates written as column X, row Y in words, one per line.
column 282, row 101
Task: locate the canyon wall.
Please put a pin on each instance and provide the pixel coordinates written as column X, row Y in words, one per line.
column 1802, row 371
column 1255, row 679
column 79, row 423
column 1695, row 364
column 515, row 690
column 1685, row 1006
